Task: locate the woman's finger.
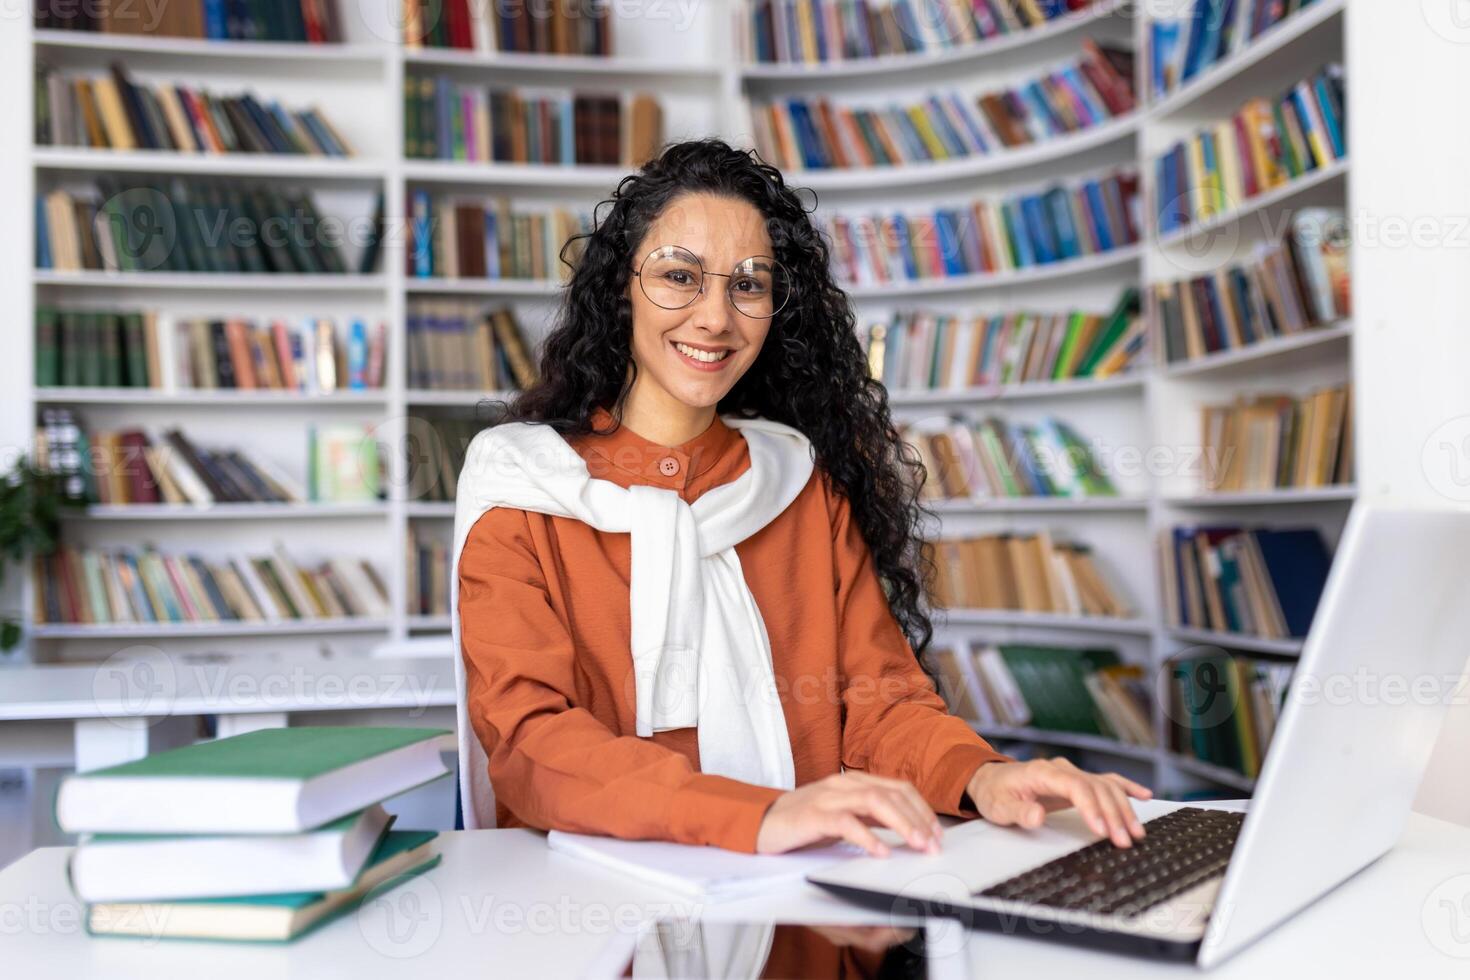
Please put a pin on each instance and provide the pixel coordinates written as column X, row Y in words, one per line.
column 1136, row 790
column 846, row 825
column 892, row 811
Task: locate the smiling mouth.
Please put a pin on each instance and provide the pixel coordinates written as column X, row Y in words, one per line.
column 702, row 356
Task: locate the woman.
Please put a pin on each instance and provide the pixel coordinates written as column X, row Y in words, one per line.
column 689, row 591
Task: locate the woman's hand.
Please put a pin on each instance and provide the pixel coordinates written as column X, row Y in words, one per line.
column 1022, row 793
column 843, row 807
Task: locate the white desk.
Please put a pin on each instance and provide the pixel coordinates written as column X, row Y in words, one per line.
column 502, row 905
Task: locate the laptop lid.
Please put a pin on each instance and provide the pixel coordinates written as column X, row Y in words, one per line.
column 1385, row 654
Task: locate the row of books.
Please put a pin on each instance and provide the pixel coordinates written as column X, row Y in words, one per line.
column 823, row 31
column 1055, row 689
column 1301, row 281
column 1255, row 581
column 153, row 349
column 920, row 350
column 114, row 112
column 1030, row 572
column 1223, row 708
column 1196, row 34
column 139, row 466
column 460, row 346
column 146, row 586
column 439, row 455
column 994, row 458
column 1267, row 143
column 581, row 28
column 308, row 21
column 1270, row 441
column 188, row 226
column 426, row 574
column 448, row 120
column 813, row 133
column 990, row 235
column 265, row 866
column 473, row 238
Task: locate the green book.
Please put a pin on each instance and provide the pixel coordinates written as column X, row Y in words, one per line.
column 135, row 350
column 1116, row 325
column 267, row 918
column 278, row 780
column 48, row 347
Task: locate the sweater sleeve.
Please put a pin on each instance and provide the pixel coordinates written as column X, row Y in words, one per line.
column 551, row 762
column 894, row 723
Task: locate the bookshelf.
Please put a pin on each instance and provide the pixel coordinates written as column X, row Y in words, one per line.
column 704, row 86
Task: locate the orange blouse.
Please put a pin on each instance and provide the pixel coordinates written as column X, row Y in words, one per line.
column 549, row 681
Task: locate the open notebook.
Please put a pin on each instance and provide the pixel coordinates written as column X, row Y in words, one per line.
column 704, row 872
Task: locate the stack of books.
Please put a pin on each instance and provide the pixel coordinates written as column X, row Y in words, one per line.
column 1270, row 441
column 1262, row 582
column 427, row 575
column 308, row 21
column 813, row 133
column 154, row 349
column 1268, row 143
column 434, row 465
column 172, row 225
column 997, row 459
column 260, row 837
column 459, row 238
column 919, row 350
column 985, row 236
column 583, row 28
column 459, row 346
column 114, row 112
column 448, row 120
column 1055, row 689
column 1193, row 35
column 1223, row 708
column 821, row 31
column 1027, row 572
column 128, row 585
column 1291, row 285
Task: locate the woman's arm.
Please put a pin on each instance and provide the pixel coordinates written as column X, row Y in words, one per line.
column 553, row 764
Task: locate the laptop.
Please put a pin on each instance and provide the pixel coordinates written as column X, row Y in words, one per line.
column 1384, row 655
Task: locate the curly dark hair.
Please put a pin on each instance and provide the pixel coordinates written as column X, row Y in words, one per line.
column 811, row 372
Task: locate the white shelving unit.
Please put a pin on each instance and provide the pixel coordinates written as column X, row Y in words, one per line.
column 360, row 84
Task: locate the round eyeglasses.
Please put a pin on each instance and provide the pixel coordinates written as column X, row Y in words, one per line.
column 673, row 277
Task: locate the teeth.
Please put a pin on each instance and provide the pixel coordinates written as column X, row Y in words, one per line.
column 708, row 357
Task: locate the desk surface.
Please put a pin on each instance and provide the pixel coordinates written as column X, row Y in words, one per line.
column 502, row 905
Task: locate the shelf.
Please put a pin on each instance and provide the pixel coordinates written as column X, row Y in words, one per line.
column 1005, row 505
column 123, row 631
column 203, row 398
column 556, row 66
column 1252, row 498
column 464, row 399
column 1268, row 43
column 236, row 512
column 1212, row 772
column 1015, row 392
column 219, row 281
column 1252, row 355
column 978, row 281
column 441, row 509
column 85, row 160
column 483, row 287
column 979, row 165
column 585, row 177
column 427, row 623
column 1237, row 641
column 1075, row 740
column 919, row 61
column 281, row 53
column 1055, row 621
column 1254, row 205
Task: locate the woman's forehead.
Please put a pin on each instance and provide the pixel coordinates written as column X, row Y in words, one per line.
column 711, row 225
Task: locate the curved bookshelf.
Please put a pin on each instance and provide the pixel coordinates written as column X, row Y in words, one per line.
column 977, row 281
column 555, row 65
column 1254, row 498
column 236, row 512
column 586, row 177
column 278, row 54
column 1252, row 355
column 224, row 281
column 1052, row 621
column 1254, row 205
column 1236, row 641
column 1074, row 387
column 1073, row 740
column 76, row 159
column 970, row 53
column 206, row 398
column 123, row 631
column 483, row 287
column 980, row 165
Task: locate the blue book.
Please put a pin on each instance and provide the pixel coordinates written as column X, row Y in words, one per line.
column 1297, row 562
column 1059, row 203
column 1327, row 101
column 1199, row 27
column 806, row 135
column 357, row 355
column 214, row 20
column 821, row 29
column 977, row 136
column 492, row 243
column 1099, row 214
column 949, row 247
column 139, row 593
column 948, row 135
column 793, row 28
column 43, row 235
column 568, row 135
column 1043, row 241
column 905, row 246
column 1038, row 106
column 1240, row 290
column 1305, row 118
column 423, row 256
column 1024, row 255
column 1165, row 43
column 1096, row 111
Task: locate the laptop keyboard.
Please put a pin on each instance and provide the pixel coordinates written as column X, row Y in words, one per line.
column 1182, row 849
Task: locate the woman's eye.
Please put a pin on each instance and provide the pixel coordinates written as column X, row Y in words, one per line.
column 679, row 277
column 749, row 286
